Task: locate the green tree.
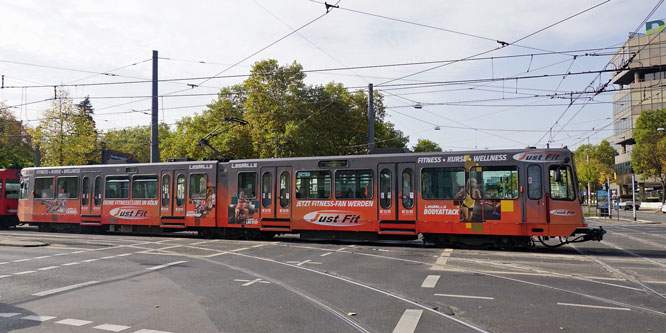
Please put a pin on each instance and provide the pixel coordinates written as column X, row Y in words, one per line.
column 649, row 154
column 594, row 164
column 66, row 135
column 136, row 141
column 426, row 146
column 274, row 100
column 15, row 142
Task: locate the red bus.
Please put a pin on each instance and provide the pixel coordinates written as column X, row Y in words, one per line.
column 477, row 197
column 9, row 194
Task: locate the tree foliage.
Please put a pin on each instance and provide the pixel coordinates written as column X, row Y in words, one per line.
column 136, row 141
column 649, row 154
column 15, row 142
column 66, row 134
column 308, row 120
column 594, row 164
column 426, row 146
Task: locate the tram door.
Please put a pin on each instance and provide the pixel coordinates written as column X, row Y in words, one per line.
column 406, row 205
column 535, row 199
column 267, row 199
column 86, row 197
column 388, row 206
column 172, row 194
column 283, row 195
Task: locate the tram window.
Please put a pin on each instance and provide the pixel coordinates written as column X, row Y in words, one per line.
column 85, row 191
column 561, row 183
column 117, row 187
column 266, row 184
column 144, row 187
column 443, row 183
column 97, row 199
column 408, row 188
column 25, row 188
column 284, row 189
column 12, row 188
column 166, row 190
column 534, row 182
column 353, row 184
column 385, row 188
column 68, row 187
column 180, row 190
column 198, row 185
column 247, row 184
column 494, row 182
column 313, row 185
column 44, row 188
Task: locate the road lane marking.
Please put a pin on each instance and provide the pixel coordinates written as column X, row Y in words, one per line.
column 73, row 322
column 124, row 255
column 240, row 249
column 430, row 281
column 111, row 327
column 22, row 260
column 9, row 314
column 249, row 283
column 407, row 323
column 4, row 276
column 303, row 262
column 90, row 260
column 57, row 290
column 466, row 296
column 441, row 260
column 61, row 254
column 108, row 257
column 325, row 254
column 38, row 318
column 71, row 263
column 258, row 245
column 42, row 257
column 150, row 331
column 46, row 268
column 594, row 306
column 165, row 265
column 2, row 263
column 24, row 272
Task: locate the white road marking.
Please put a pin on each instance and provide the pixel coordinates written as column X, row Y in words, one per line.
column 74, row 322
column 150, row 331
column 46, row 268
column 42, row 257
column 258, row 245
column 441, row 260
column 24, row 272
column 71, row 263
column 124, row 255
column 303, row 262
column 9, row 314
column 61, row 254
column 466, row 296
column 325, row 254
column 240, row 249
column 4, row 276
column 407, row 323
column 108, row 257
column 383, row 250
column 2, row 263
column 57, row 290
column 430, row 281
column 22, row 260
column 241, row 280
column 112, row 328
column 76, row 252
column 165, row 265
column 38, row 318
column 90, row 260
column 594, row 306
column 250, row 282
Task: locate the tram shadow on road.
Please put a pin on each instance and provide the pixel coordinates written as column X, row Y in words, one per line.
column 14, row 318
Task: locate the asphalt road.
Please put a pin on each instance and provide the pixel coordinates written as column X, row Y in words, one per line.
column 181, row 283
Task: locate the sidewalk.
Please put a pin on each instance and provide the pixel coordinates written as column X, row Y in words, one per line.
column 6, row 241
column 621, row 220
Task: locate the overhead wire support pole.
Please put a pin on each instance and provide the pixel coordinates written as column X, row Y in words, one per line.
column 154, row 140
column 371, row 119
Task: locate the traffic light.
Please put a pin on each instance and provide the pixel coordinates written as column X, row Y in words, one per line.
column 635, row 184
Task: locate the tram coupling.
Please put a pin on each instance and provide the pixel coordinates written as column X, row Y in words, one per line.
column 591, row 234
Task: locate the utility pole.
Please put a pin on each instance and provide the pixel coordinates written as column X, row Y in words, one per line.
column 633, row 192
column 154, row 141
column 371, row 120
column 276, row 142
column 610, row 203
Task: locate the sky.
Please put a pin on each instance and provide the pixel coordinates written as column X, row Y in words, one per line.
column 79, row 43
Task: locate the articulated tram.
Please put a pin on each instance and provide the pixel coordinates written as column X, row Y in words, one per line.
column 477, row 197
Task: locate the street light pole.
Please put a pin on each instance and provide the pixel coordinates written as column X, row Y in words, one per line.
column 633, row 192
column 276, row 142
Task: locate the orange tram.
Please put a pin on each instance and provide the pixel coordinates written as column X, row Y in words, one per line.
column 9, row 194
column 502, row 198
